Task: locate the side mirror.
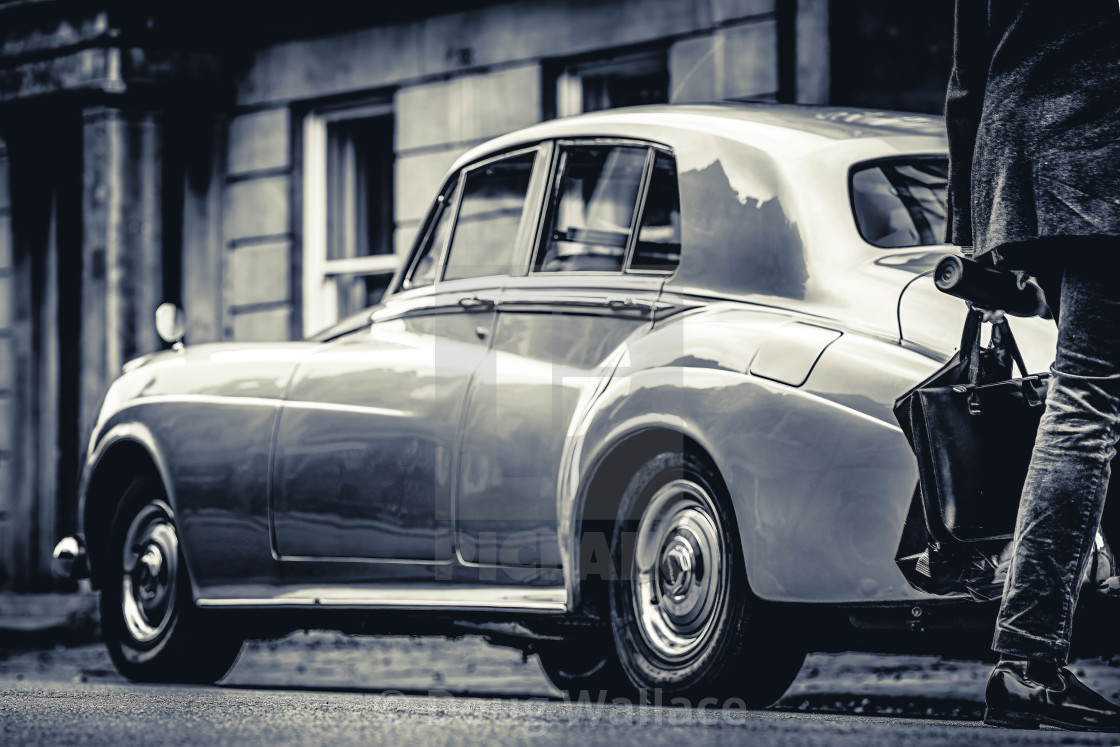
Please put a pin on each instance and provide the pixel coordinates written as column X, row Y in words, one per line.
column 171, row 324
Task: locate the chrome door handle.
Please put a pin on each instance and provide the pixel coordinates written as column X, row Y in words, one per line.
column 627, row 304
column 474, row 303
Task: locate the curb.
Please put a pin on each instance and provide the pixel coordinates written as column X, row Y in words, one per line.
column 36, row 620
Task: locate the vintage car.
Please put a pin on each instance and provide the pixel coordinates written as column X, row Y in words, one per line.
column 626, row 405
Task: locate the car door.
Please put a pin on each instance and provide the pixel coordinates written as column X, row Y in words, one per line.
column 366, row 445
column 591, row 284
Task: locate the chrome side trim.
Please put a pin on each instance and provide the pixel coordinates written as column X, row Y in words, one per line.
column 540, row 599
column 619, row 302
column 557, row 300
column 206, row 399
column 350, row 559
column 248, row 401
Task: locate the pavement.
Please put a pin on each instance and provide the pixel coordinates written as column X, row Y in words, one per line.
column 52, row 639
column 47, row 618
column 111, row 714
column 325, row 661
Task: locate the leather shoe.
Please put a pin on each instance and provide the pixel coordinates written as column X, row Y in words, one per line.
column 1016, row 701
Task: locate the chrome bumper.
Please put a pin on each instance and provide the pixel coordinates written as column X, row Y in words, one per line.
column 69, row 559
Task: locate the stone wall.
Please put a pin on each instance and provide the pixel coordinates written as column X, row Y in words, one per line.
column 153, row 165
column 7, row 375
column 454, row 81
column 257, row 226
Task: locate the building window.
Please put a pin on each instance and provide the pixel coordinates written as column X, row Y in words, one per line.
column 610, row 82
column 348, row 246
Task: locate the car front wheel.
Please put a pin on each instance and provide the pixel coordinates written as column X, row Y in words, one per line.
column 683, row 617
column 152, row 629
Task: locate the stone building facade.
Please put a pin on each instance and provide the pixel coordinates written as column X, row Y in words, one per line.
column 267, row 169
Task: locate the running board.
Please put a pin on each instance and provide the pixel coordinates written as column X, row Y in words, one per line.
column 481, row 598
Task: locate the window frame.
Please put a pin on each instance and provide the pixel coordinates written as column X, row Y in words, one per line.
column 319, row 291
column 568, row 80
column 652, row 149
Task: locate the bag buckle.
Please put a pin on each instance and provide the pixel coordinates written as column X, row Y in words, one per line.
column 974, row 404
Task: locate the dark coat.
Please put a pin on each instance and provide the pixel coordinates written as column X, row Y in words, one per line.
column 1033, row 118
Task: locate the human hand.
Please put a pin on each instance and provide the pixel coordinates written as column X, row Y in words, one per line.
column 993, row 316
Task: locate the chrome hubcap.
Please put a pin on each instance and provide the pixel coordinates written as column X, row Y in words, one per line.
column 150, row 572
column 679, row 577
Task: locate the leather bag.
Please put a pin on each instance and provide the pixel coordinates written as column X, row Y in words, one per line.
column 972, row 427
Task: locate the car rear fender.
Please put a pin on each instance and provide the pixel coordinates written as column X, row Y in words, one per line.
column 819, row 489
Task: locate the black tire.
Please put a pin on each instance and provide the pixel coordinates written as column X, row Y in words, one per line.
column 152, row 628
column 689, row 625
column 585, row 670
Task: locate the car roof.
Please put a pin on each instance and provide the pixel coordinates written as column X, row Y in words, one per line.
column 771, row 178
column 791, row 129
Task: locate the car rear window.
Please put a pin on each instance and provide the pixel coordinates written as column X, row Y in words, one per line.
column 901, row 202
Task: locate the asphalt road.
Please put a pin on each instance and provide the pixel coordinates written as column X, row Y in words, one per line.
column 327, row 688
column 110, row 714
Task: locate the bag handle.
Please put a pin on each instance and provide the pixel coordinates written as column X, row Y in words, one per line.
column 970, row 341
column 1004, row 330
column 1001, row 335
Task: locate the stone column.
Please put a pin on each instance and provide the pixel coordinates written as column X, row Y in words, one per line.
column 812, row 51
column 42, row 328
column 8, row 406
column 122, row 273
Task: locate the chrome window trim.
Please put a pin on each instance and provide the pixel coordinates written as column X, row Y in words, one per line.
column 607, row 140
column 639, row 209
column 537, row 196
column 627, row 269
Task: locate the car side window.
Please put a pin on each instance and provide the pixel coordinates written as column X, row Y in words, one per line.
column 591, row 212
column 426, row 263
column 658, row 248
column 489, row 218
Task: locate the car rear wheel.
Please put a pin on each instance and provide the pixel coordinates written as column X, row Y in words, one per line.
column 682, row 614
column 152, row 629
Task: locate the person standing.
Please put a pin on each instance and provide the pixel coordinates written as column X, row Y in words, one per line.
column 1033, row 119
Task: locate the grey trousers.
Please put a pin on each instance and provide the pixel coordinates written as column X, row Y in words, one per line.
column 1064, row 494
